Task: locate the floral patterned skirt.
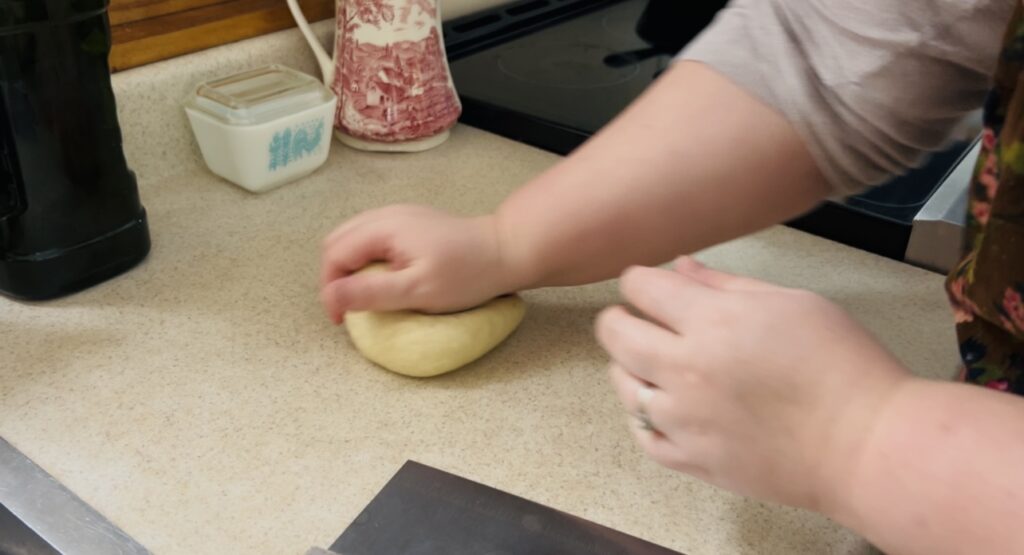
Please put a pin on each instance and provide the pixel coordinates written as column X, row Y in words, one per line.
column 987, row 287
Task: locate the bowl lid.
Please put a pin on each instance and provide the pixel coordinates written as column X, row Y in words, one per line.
column 259, row 95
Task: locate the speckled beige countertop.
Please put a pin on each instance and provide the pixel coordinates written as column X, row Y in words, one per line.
column 204, row 403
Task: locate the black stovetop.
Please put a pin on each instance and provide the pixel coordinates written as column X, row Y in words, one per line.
column 550, row 73
column 555, row 79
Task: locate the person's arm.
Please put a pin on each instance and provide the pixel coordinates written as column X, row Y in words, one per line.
column 941, row 474
column 694, row 162
column 772, row 102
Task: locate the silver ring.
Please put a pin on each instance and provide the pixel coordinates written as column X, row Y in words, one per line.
column 643, row 396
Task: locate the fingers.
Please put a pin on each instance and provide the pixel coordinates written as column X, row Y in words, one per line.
column 362, row 218
column 688, row 266
column 675, row 449
column 645, row 348
column 665, row 296
column 676, row 453
column 380, row 291
column 342, row 229
column 375, row 215
column 636, row 394
column 353, row 250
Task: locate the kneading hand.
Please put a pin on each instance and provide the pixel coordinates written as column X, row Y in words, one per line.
column 439, row 262
column 767, row 391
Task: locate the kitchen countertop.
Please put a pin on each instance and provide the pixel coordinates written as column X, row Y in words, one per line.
column 204, row 403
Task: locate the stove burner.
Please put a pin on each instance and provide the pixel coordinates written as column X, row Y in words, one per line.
column 575, row 66
column 630, row 57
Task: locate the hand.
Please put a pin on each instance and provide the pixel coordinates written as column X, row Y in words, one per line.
column 766, row 391
column 439, row 262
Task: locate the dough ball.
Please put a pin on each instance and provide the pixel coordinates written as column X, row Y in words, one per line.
column 424, row 345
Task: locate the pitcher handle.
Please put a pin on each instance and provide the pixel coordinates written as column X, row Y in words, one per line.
column 322, row 58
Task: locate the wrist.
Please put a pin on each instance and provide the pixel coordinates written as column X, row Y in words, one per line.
column 857, row 447
column 516, row 265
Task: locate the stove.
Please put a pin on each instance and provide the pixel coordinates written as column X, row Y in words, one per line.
column 550, row 73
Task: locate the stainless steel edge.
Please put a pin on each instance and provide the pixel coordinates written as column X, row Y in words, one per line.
column 45, row 510
column 937, row 234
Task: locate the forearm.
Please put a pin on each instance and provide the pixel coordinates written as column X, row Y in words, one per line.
column 694, row 162
column 941, row 473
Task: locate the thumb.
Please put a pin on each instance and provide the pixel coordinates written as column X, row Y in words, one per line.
column 380, row 291
column 688, row 266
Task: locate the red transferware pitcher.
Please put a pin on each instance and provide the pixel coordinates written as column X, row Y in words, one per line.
column 390, row 73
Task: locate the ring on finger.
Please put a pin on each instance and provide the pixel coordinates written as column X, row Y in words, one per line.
column 643, row 396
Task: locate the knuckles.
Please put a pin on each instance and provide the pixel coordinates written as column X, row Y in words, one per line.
column 604, row 324
column 634, row 280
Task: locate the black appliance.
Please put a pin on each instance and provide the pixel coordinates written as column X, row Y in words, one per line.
column 550, row 73
column 70, row 215
column 667, row 25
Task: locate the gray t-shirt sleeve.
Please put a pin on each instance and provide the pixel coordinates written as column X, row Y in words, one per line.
column 871, row 85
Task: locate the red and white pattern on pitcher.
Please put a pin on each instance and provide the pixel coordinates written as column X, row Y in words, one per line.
column 396, row 92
